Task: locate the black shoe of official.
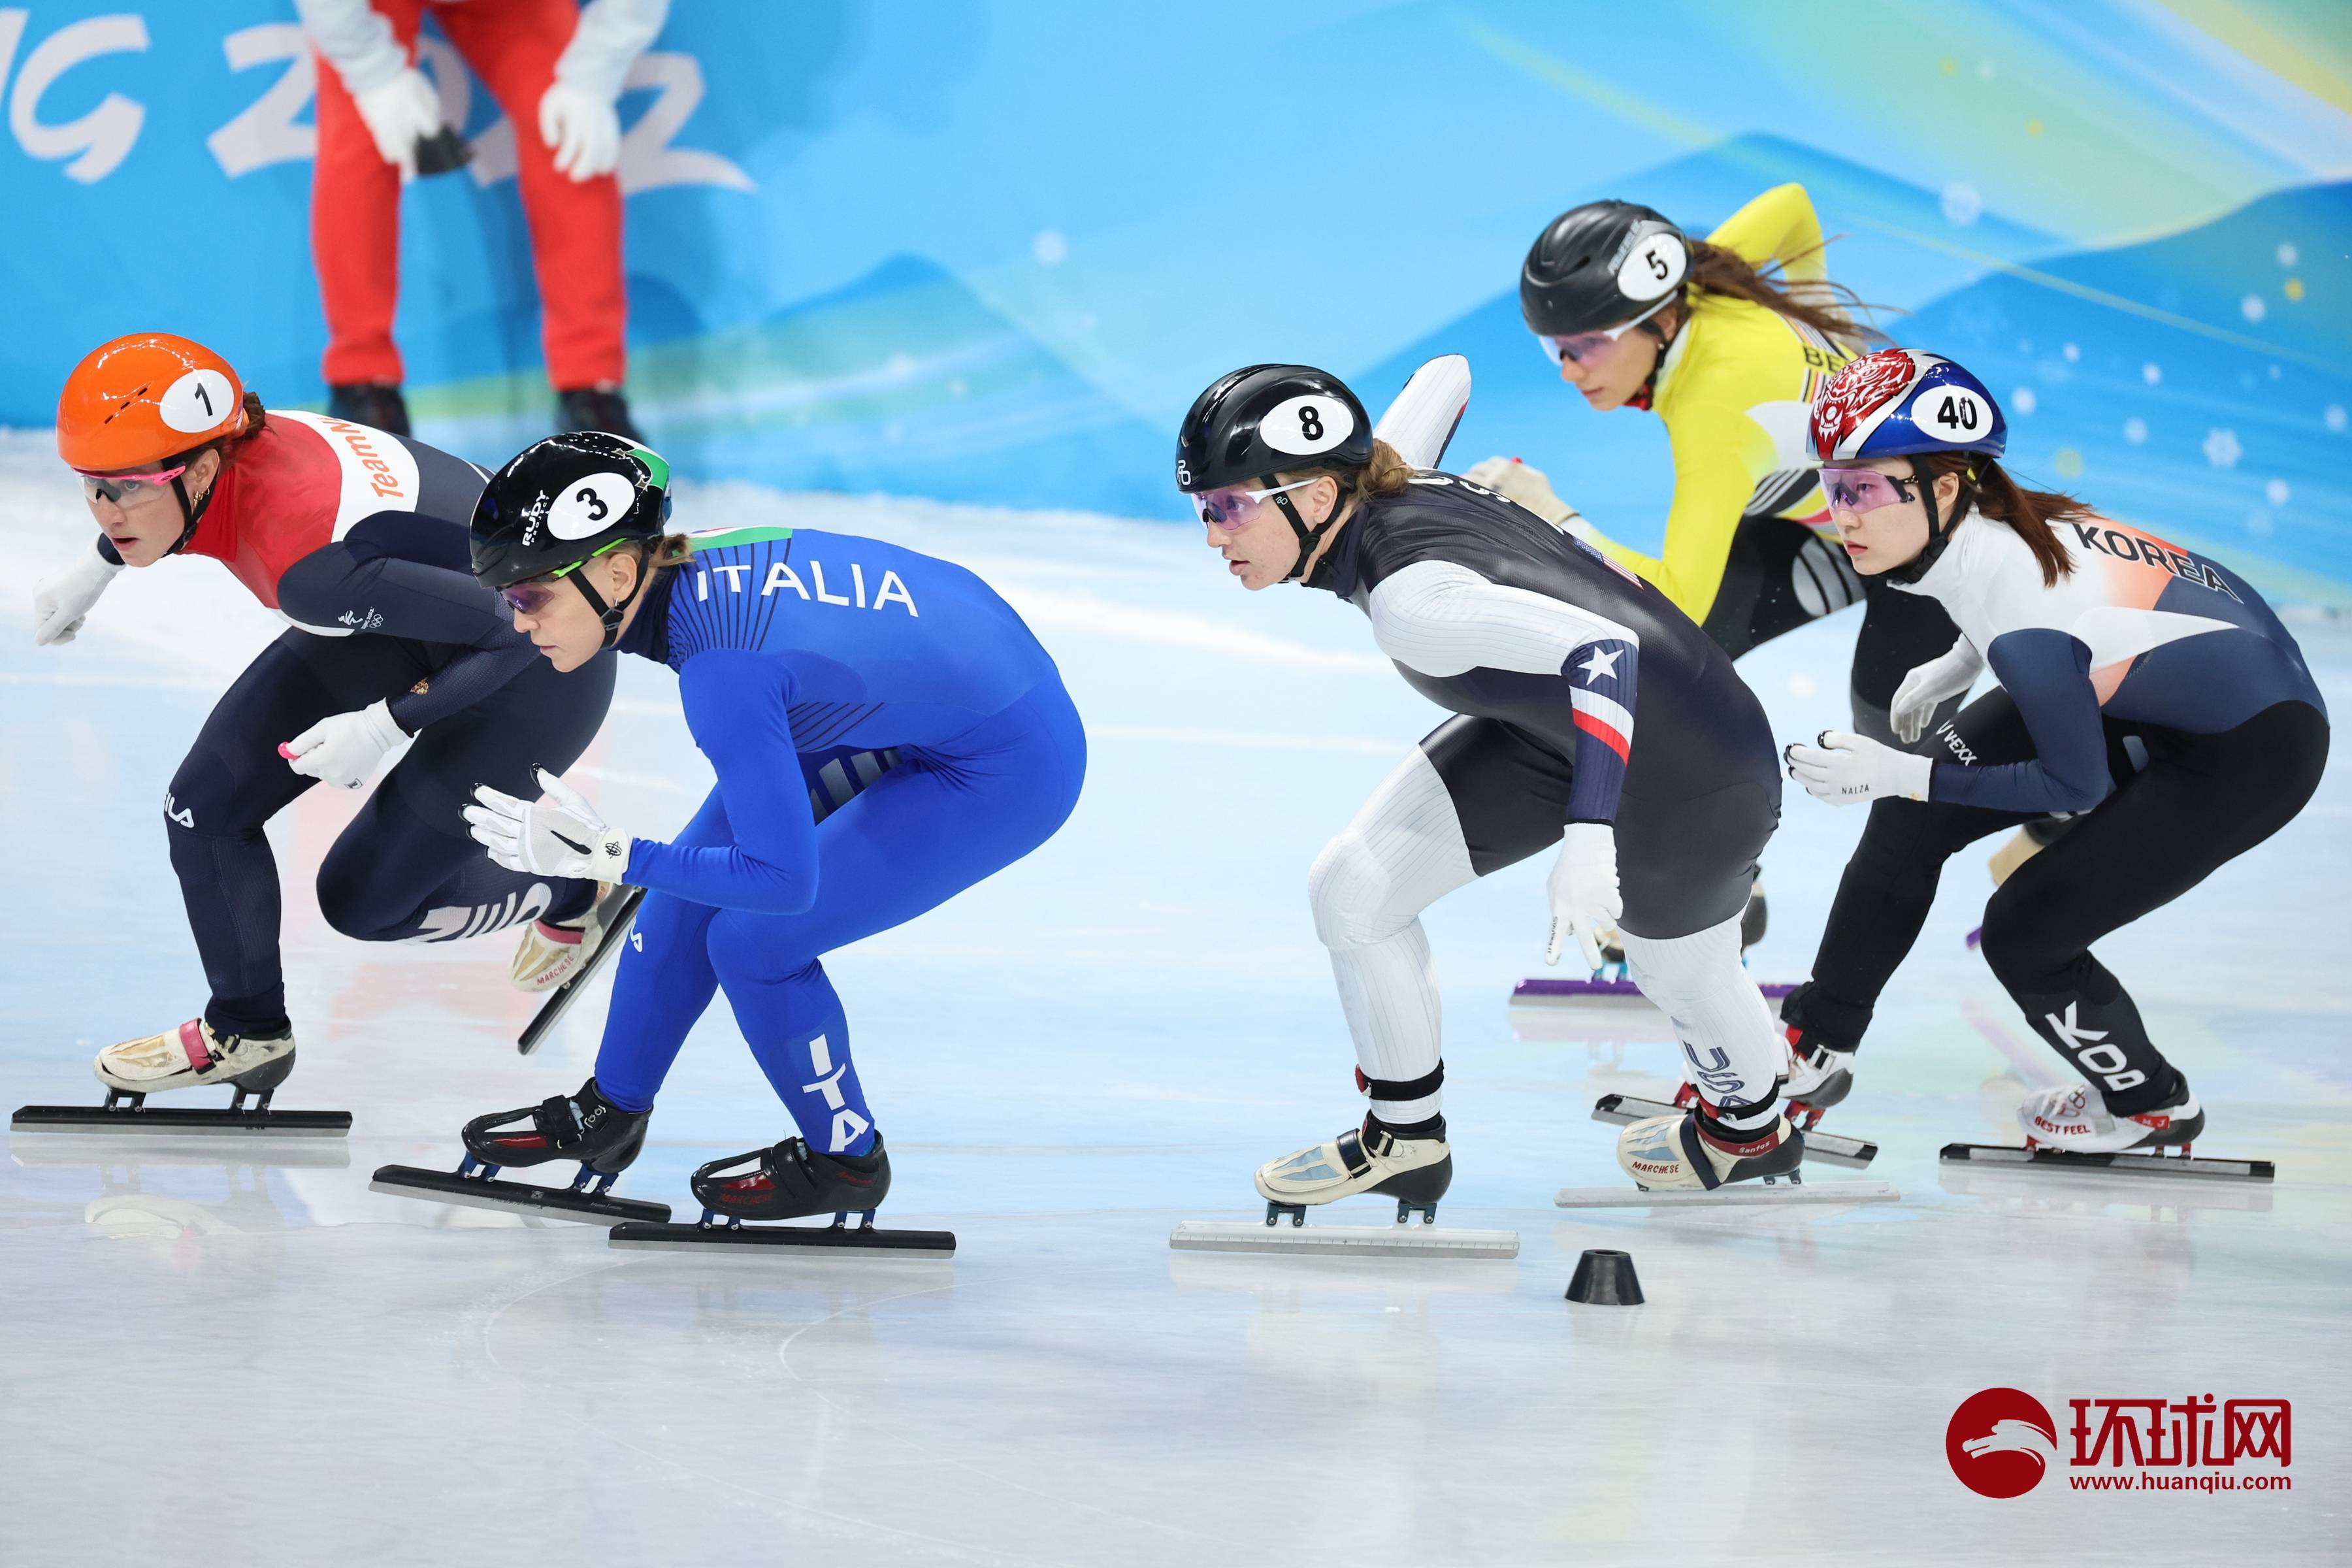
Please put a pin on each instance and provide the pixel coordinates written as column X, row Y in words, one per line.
column 374, row 403
column 596, row 408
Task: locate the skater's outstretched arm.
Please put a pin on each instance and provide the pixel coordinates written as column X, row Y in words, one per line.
column 737, row 705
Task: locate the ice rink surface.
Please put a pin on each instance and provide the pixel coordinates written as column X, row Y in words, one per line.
column 232, row 1352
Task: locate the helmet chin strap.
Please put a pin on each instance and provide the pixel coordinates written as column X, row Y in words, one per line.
column 191, row 511
column 1940, row 533
column 1308, row 538
column 612, row 616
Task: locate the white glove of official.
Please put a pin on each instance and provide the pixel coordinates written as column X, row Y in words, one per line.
column 1846, row 770
column 558, row 834
column 1930, row 683
column 582, row 129
column 1516, row 481
column 61, row 600
column 400, row 113
column 1585, row 901
column 343, row 751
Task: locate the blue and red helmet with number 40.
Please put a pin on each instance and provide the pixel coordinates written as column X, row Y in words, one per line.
column 1902, row 402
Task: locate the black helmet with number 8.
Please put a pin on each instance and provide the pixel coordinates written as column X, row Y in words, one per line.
column 1600, row 266
column 1267, row 419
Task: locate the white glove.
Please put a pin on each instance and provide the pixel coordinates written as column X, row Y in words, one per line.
column 1583, row 887
column 343, row 751
column 1516, row 481
column 582, row 129
column 1847, row 769
column 399, row 114
column 61, row 600
column 559, row 835
column 1930, row 683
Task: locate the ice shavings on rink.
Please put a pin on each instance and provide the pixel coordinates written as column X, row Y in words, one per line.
column 1068, row 1060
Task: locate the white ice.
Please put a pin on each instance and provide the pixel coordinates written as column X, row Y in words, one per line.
column 233, row 1353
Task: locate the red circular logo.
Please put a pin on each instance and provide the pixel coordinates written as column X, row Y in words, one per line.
column 2000, row 1442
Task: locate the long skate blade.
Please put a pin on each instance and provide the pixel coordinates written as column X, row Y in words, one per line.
column 1827, row 1148
column 778, row 1240
column 473, row 1192
column 1545, row 992
column 181, row 1120
column 1739, row 1195
column 1357, row 1241
column 2177, row 1166
column 162, row 1151
column 559, row 1001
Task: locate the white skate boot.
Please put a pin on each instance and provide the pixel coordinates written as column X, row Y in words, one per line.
column 551, row 954
column 189, row 1057
column 1692, row 1152
column 1819, row 1078
column 192, row 1056
column 1414, row 1171
column 2077, row 1119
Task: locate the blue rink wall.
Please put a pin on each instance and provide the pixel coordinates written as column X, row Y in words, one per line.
column 987, row 252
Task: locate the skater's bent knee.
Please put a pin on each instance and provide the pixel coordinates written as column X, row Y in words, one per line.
column 2017, row 944
column 1350, row 893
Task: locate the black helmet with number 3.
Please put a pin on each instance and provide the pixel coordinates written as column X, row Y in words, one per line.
column 565, row 500
column 1598, row 265
column 1268, row 419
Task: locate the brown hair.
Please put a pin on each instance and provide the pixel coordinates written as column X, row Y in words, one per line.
column 1386, row 475
column 2030, row 514
column 1828, row 307
column 670, row 550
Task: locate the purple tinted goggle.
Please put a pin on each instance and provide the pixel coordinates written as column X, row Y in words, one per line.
column 1863, row 489
column 1232, row 509
column 1586, row 347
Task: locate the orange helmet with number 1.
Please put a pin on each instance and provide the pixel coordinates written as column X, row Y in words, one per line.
column 140, row 401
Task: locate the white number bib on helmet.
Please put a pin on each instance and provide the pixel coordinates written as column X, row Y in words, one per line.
column 1952, row 413
column 198, row 401
column 1652, row 267
column 1302, row 427
column 591, row 505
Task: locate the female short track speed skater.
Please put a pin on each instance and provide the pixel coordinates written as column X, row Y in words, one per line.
column 886, row 733
column 1540, row 644
column 2143, row 688
column 358, row 538
column 1726, row 340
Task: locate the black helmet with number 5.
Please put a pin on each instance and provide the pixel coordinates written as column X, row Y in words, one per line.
column 1600, row 266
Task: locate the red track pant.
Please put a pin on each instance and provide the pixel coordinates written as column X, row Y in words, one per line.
column 575, row 228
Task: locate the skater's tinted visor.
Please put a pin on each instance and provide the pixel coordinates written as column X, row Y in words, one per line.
column 533, row 595
column 1236, row 509
column 130, row 489
column 1863, row 489
column 1586, row 347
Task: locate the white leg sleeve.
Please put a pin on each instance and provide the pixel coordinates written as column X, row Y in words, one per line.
column 1735, row 1055
column 1403, row 851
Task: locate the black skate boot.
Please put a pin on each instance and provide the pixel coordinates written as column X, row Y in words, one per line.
column 585, row 1126
column 790, row 1180
column 377, row 404
column 596, row 408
